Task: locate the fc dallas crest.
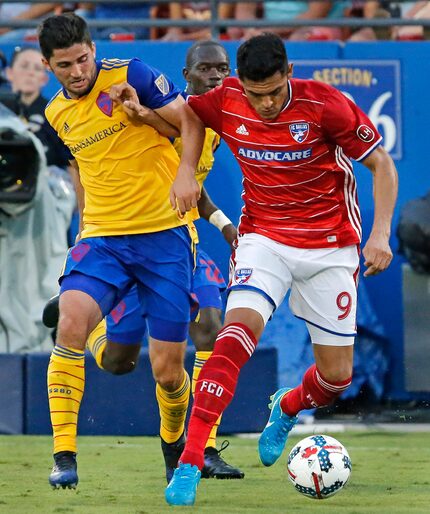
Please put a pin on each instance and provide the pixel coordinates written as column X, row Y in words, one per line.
column 299, row 131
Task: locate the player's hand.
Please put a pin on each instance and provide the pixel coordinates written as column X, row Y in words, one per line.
column 377, row 254
column 124, row 94
column 120, row 93
column 138, row 114
column 230, row 235
column 185, row 192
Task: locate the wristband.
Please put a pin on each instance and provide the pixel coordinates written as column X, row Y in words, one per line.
column 219, row 219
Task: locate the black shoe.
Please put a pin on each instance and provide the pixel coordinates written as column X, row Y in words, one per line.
column 171, row 453
column 51, row 312
column 64, row 473
column 216, row 467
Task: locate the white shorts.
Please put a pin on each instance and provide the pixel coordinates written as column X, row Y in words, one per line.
column 323, row 285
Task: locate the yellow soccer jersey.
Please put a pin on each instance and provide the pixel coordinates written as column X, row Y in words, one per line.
column 126, row 170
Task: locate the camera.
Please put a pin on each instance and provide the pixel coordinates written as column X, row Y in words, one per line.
column 19, row 163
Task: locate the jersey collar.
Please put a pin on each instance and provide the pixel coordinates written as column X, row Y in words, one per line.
column 290, row 97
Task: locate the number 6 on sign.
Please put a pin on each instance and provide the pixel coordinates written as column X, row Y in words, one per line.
column 344, row 304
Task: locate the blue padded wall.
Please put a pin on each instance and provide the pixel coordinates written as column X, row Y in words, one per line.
column 126, row 405
column 11, row 394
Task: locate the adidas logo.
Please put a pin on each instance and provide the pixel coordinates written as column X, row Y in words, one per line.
column 66, row 127
column 242, row 130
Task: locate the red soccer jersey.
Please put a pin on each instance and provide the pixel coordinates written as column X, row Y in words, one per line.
column 298, row 184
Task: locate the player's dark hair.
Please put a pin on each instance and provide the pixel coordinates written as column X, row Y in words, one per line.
column 190, row 58
column 62, row 31
column 261, row 57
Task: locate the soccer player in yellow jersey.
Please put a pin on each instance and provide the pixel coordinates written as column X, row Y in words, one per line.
column 116, row 342
column 135, row 192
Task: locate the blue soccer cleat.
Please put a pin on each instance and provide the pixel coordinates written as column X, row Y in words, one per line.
column 183, row 486
column 64, row 473
column 275, row 434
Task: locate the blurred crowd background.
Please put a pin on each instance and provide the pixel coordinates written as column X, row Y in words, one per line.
column 156, row 20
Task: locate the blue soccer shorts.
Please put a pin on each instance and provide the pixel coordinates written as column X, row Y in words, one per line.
column 159, row 263
column 126, row 323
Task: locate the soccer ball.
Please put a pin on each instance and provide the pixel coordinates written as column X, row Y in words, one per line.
column 319, row 466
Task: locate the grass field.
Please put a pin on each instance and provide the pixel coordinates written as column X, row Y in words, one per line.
column 391, row 474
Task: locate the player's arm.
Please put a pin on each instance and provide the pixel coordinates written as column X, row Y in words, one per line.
column 185, row 190
column 126, row 95
column 157, row 92
column 211, row 213
column 80, row 194
column 354, row 132
column 377, row 252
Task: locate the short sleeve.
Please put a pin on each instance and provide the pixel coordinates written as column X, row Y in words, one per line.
column 57, row 151
column 208, row 108
column 153, row 88
column 348, row 126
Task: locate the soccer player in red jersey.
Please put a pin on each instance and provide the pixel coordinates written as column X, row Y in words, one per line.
column 300, row 230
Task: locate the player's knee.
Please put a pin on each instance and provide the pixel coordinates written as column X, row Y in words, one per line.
column 169, row 379
column 204, row 336
column 341, row 373
column 204, row 333
column 118, row 366
column 71, row 333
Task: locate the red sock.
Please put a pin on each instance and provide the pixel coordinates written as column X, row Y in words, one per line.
column 215, row 387
column 314, row 391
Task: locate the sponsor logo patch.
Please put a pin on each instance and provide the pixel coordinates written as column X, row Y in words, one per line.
column 273, row 155
column 365, row 133
column 242, row 130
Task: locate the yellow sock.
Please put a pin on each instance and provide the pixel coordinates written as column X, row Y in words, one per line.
column 97, row 342
column 173, row 409
column 66, row 382
column 200, row 359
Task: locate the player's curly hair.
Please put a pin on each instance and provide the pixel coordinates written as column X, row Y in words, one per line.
column 62, row 31
column 261, row 57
